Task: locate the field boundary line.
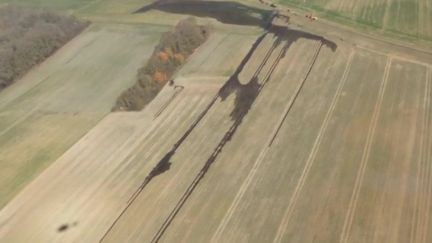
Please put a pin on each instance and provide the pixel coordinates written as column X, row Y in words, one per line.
column 415, row 223
column 394, row 56
column 313, row 153
column 400, row 58
column 346, row 228
column 427, row 159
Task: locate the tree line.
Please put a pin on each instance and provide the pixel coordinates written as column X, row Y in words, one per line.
column 29, row 36
column 171, row 53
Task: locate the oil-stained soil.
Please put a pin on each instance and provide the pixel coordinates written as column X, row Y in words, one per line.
column 245, row 97
column 223, row 11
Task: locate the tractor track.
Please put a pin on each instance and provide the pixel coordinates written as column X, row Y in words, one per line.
column 294, row 98
column 177, row 90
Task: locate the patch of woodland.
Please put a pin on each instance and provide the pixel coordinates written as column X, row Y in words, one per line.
column 168, row 56
column 28, row 36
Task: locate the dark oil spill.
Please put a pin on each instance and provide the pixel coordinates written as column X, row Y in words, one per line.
column 245, row 96
column 224, row 11
column 65, row 227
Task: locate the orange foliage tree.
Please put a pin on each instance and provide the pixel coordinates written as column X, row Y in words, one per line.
column 160, row 77
column 163, row 56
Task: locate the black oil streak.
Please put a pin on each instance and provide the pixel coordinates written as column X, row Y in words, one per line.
column 224, row 11
column 65, row 227
column 245, row 96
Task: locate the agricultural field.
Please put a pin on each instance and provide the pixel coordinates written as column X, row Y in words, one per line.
column 131, row 144
column 55, row 104
column 297, row 132
column 403, row 17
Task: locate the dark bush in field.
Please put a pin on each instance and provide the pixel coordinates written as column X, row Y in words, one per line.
column 171, row 52
column 29, row 36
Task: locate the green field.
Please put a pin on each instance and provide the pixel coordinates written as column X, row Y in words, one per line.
column 55, row 104
column 411, row 18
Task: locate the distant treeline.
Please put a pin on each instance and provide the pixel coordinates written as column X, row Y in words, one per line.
column 171, row 53
column 28, row 36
